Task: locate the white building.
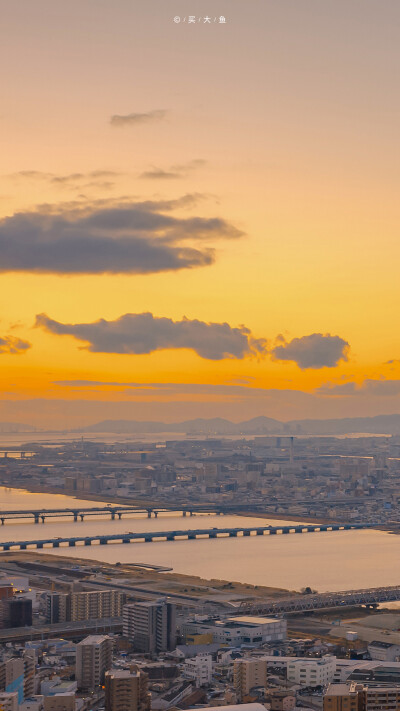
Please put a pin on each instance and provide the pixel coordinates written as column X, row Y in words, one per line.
column 235, row 631
column 384, row 651
column 8, row 702
column 312, row 672
column 199, row 669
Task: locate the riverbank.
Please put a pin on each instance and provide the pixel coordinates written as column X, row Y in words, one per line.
column 162, row 583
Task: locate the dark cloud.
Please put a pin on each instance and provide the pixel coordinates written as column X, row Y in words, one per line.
column 314, row 351
column 145, row 333
column 107, row 237
column 379, row 387
column 136, row 119
column 13, row 346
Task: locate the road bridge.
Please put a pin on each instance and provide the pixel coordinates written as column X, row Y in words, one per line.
column 322, row 601
column 115, row 512
column 188, row 535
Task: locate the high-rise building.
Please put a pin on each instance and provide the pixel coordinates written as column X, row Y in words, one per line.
column 16, row 612
column 126, row 691
column 93, row 659
column 247, row 674
column 12, row 677
column 86, row 605
column 29, row 657
column 57, row 607
column 151, row 626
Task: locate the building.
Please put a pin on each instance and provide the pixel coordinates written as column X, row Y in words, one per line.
column 56, row 607
column 341, row 697
column 235, row 631
column 384, row 651
column 15, row 612
column 87, row 605
column 312, row 672
column 12, row 677
column 8, row 702
column 354, row 696
column 150, row 626
column 247, row 674
column 60, row 702
column 282, row 700
column 93, row 659
column 376, row 697
column 199, row 669
column 126, row 691
column 29, row 657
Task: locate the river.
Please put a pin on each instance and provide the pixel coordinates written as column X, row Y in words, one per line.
column 333, row 560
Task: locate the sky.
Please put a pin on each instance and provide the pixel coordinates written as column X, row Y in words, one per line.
column 198, row 217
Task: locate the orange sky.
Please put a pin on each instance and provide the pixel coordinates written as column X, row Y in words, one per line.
column 243, row 173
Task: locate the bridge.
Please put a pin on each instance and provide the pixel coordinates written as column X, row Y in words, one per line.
column 68, row 630
column 322, row 601
column 79, row 514
column 188, row 535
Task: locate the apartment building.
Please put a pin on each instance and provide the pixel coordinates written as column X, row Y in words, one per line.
column 93, row 659
column 199, row 669
column 150, row 626
column 126, row 690
column 86, row 605
column 247, row 674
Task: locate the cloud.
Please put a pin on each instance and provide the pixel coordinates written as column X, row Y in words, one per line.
column 377, row 387
column 109, row 237
column 174, row 172
column 145, row 333
column 313, row 351
column 136, row 119
column 13, row 346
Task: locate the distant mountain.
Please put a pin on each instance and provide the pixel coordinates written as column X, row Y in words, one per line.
column 10, row 427
column 381, row 424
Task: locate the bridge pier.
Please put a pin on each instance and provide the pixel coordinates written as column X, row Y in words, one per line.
column 2, row 521
column 184, row 514
column 82, row 516
column 22, row 547
column 246, row 533
column 170, row 537
column 232, row 534
column 36, row 517
column 75, row 516
column 56, row 544
column 112, row 515
column 88, row 542
column 148, row 539
column 103, row 541
column 119, row 515
column 39, row 545
column 155, row 514
column 260, row 533
column 148, row 513
column 43, row 518
column 71, row 544
column 126, row 540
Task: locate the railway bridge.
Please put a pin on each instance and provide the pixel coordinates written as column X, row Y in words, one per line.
column 174, row 535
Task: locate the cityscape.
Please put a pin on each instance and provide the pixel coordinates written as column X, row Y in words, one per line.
column 199, row 355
